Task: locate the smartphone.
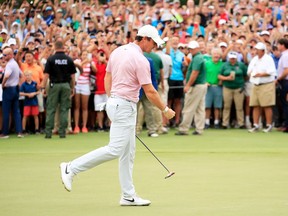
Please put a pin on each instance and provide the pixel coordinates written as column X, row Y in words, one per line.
column 33, row 34
column 25, row 49
column 196, row 25
column 89, row 56
column 131, row 18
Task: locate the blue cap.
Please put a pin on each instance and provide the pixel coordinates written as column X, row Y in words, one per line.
column 108, row 12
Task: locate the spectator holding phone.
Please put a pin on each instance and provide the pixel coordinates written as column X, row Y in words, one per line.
column 100, row 94
column 82, row 92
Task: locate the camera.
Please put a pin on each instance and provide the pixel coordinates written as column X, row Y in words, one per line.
column 34, row 34
column 25, row 49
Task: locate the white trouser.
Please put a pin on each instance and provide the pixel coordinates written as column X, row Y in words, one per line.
column 122, row 114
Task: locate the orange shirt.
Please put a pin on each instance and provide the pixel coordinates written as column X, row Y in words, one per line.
column 37, row 72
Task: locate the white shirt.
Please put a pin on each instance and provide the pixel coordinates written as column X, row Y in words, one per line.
column 167, row 63
column 263, row 65
column 283, row 63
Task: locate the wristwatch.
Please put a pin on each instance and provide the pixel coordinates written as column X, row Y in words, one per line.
column 165, row 110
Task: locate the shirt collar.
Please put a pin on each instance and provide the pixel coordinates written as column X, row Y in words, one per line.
column 136, row 46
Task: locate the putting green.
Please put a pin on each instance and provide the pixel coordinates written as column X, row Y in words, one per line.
column 222, row 173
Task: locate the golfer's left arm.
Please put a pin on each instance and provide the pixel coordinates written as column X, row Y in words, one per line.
column 108, row 83
column 155, row 99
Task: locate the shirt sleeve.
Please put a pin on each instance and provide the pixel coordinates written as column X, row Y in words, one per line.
column 197, row 64
column 250, row 66
column 22, row 87
column 72, row 67
column 271, row 69
column 47, row 66
column 8, row 70
column 244, row 69
column 285, row 61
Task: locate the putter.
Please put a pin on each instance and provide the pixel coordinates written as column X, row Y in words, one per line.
column 169, row 173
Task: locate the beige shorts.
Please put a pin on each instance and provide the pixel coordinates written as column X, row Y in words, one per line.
column 40, row 102
column 263, row 95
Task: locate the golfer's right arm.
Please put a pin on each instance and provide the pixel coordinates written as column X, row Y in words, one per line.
column 155, row 99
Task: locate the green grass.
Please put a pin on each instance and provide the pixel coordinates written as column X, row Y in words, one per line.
column 222, row 173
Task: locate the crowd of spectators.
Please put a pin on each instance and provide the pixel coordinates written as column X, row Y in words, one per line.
column 226, row 32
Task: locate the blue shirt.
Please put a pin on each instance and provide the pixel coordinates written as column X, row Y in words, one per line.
column 153, row 77
column 275, row 59
column 177, row 60
column 190, row 30
column 29, row 88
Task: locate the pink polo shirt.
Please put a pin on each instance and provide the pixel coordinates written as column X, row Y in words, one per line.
column 130, row 70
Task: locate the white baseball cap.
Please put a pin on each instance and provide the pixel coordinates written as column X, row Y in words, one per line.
column 232, row 55
column 166, row 17
column 260, row 46
column 222, row 21
column 239, row 41
column 4, row 31
column 223, row 44
column 12, row 41
column 193, row 45
column 150, row 31
column 182, row 45
column 265, row 33
column 5, row 45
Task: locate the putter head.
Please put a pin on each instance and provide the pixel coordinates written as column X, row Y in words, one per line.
column 169, row 175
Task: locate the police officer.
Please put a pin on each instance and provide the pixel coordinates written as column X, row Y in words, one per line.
column 61, row 70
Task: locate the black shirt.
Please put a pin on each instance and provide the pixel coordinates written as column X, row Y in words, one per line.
column 60, row 67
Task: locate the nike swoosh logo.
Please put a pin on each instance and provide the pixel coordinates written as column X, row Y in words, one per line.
column 66, row 170
column 129, row 200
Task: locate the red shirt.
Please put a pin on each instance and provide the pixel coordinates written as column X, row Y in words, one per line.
column 100, row 75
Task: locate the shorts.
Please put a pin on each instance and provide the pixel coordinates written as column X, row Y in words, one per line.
column 99, row 98
column 247, row 89
column 263, row 95
column 175, row 89
column 214, row 96
column 30, row 110
column 40, row 102
column 83, row 89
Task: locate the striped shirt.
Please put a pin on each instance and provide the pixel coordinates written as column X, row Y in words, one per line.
column 84, row 77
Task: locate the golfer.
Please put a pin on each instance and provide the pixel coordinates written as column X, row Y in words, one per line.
column 127, row 71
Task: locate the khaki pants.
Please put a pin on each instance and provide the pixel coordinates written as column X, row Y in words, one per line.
column 230, row 95
column 152, row 116
column 194, row 107
column 164, row 96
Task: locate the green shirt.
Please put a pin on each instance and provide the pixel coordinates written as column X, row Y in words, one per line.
column 197, row 64
column 207, row 57
column 157, row 61
column 212, row 71
column 240, row 70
